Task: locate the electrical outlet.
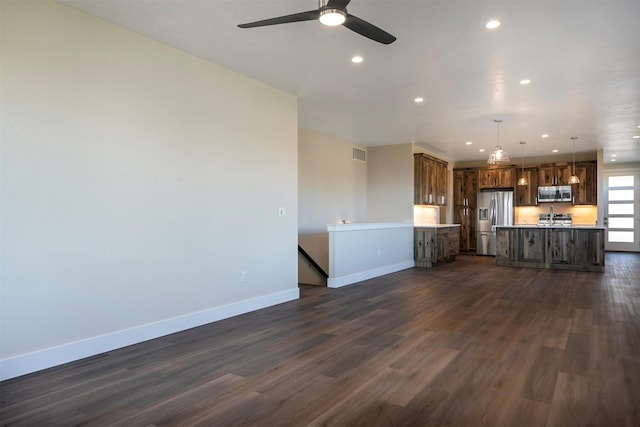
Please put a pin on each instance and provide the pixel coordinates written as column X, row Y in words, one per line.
column 244, row 277
column 282, row 212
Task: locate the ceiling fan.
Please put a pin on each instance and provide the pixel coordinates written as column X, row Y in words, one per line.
column 331, row 13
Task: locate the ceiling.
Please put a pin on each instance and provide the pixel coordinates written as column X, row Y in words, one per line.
column 582, row 57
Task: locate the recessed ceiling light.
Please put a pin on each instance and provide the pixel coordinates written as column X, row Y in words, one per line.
column 636, row 137
column 614, row 155
column 468, row 142
column 481, row 150
column 613, row 160
column 525, row 82
column 357, row 59
column 418, row 100
column 554, row 151
column 493, row 24
column 545, row 135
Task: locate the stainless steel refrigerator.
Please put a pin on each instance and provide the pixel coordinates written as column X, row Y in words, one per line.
column 494, row 208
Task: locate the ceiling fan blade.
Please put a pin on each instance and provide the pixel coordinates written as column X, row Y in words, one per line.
column 368, row 30
column 295, row 17
column 338, row 4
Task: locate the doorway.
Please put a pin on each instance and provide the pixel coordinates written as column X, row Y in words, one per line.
column 622, row 211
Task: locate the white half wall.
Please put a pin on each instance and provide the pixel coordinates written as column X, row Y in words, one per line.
column 138, row 183
column 359, row 252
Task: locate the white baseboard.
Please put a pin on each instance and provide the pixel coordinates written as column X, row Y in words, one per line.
column 336, row 282
column 47, row 358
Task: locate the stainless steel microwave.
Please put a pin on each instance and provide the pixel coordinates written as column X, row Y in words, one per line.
column 556, row 193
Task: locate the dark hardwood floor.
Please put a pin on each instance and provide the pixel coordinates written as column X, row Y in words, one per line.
column 462, row 344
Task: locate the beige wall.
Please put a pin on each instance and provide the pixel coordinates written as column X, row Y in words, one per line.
column 137, row 181
column 331, row 185
column 390, row 183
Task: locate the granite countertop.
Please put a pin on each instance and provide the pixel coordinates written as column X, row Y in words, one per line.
column 437, row 225
column 591, row 227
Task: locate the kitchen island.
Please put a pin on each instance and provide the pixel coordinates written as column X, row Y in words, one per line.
column 568, row 247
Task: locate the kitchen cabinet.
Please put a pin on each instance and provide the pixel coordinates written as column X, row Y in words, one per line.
column 506, row 246
column 430, row 180
column 588, row 249
column 527, row 195
column 466, row 217
column 520, row 246
column 496, row 177
column 465, row 187
column 586, row 192
column 532, row 249
column 560, row 247
column 554, row 174
column 435, row 244
column 465, row 195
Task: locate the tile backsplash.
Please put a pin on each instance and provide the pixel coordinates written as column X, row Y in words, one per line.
column 426, row 215
column 581, row 215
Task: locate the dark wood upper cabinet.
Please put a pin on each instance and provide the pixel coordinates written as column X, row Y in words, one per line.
column 496, row 177
column 554, row 174
column 465, row 187
column 586, row 192
column 527, row 195
column 430, row 180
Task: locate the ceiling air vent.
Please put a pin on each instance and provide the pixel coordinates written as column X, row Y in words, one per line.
column 358, row 154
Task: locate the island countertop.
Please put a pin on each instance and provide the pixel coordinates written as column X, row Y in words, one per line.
column 571, row 227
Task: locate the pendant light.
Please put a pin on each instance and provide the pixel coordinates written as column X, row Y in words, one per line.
column 523, row 179
column 573, row 179
column 498, row 155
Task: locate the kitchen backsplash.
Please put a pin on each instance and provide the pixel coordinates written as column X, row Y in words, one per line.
column 581, row 215
column 426, row 215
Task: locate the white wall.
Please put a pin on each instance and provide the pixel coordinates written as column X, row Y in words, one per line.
column 390, row 183
column 362, row 251
column 331, row 185
column 137, row 183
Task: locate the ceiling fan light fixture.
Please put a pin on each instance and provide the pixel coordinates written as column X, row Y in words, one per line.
column 331, row 13
column 332, row 17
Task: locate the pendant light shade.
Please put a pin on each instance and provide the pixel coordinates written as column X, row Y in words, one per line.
column 573, row 179
column 498, row 155
column 523, row 179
